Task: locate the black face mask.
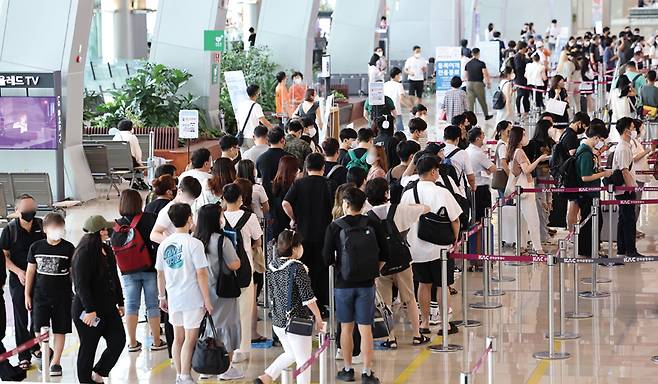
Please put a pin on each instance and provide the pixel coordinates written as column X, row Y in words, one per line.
column 580, row 130
column 28, row 215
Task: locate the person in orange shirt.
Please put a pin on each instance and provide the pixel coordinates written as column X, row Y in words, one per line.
column 282, row 95
column 297, row 91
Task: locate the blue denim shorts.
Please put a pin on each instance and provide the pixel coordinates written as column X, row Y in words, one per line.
column 355, row 305
column 133, row 284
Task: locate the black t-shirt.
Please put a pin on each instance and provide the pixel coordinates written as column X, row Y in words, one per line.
column 339, row 176
column 312, row 199
column 359, row 152
column 475, row 69
column 569, row 140
column 53, row 277
column 18, row 249
column 332, row 246
column 342, row 154
column 267, row 165
column 156, row 206
column 520, row 61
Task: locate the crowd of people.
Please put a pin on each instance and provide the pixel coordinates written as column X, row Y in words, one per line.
column 280, row 207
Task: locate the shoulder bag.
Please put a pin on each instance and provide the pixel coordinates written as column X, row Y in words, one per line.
column 499, row 179
column 210, row 356
column 296, row 325
column 240, row 135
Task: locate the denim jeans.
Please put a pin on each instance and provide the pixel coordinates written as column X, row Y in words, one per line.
column 399, row 125
column 133, row 284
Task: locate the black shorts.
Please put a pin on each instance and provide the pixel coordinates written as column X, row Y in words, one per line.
column 429, row 272
column 416, row 88
column 56, row 315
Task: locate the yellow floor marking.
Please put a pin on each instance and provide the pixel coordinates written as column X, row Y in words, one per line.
column 540, row 370
column 417, row 362
column 160, row 367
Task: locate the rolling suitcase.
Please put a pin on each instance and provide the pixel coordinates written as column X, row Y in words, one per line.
column 508, row 235
column 605, row 232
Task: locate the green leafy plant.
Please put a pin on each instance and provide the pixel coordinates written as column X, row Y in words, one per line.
column 150, row 98
column 90, row 103
column 338, row 96
column 258, row 69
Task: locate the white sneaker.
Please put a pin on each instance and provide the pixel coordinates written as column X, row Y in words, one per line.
column 186, row 380
column 232, row 374
column 239, row 357
column 357, row 360
column 339, row 354
column 435, row 316
column 205, row 377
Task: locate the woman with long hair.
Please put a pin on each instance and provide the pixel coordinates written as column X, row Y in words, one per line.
column 226, row 314
column 285, row 175
column 521, row 175
column 223, row 173
column 541, row 144
column 558, row 91
column 378, row 162
column 259, row 203
column 98, row 303
column 281, row 94
column 621, row 103
column 506, row 86
column 586, row 88
column 310, row 109
column 500, row 154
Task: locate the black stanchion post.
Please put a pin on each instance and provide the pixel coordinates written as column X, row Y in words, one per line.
column 551, row 354
column 466, row 322
column 444, row 346
column 499, row 230
column 576, row 314
column 595, row 293
column 562, row 334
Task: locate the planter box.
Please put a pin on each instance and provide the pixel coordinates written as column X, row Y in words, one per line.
column 179, row 156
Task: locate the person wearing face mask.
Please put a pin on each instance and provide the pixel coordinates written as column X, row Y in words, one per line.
column 623, row 161
column 310, row 109
column 386, row 139
column 188, row 192
column 375, row 70
column 418, row 130
column 558, row 91
column 297, row 91
column 521, row 175
column 294, row 143
column 249, row 114
column 587, row 168
column 15, row 241
column 48, row 285
column 506, row 86
column 378, row 163
column 641, row 156
column 98, row 303
column 483, row 167
column 621, row 102
column 310, row 135
column 416, row 67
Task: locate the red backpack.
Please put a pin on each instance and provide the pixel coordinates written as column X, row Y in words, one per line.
column 130, row 250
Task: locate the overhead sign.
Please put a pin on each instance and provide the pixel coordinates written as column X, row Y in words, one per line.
column 376, row 93
column 213, row 40
column 237, row 88
column 188, row 124
column 26, row 80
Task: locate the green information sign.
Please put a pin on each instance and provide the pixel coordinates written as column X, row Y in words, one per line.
column 213, row 40
column 215, row 73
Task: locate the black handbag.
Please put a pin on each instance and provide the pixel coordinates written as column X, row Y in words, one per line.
column 227, row 283
column 210, row 356
column 296, row 325
column 435, row 228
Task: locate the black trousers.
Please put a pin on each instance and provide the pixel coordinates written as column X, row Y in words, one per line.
column 626, row 229
column 22, row 324
column 522, row 98
column 585, row 237
column 317, row 270
column 111, row 329
column 482, row 201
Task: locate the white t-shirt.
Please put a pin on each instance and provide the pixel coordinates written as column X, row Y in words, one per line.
column 435, row 197
column 462, row 164
column 405, row 214
column 501, row 153
column 623, row 157
column 534, row 72
column 241, row 116
column 408, row 179
column 135, row 149
column 415, row 65
column 163, row 219
column 250, row 231
column 258, row 198
column 394, row 90
column 200, row 175
column 480, row 162
column 179, row 257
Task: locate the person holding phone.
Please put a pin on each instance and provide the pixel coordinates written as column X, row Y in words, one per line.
column 98, row 303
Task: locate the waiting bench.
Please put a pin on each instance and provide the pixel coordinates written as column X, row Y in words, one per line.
column 36, row 185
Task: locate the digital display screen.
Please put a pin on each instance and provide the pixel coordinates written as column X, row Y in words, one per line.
column 29, row 122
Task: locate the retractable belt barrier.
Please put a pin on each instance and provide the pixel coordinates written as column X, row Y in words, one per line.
column 23, row 347
column 314, row 357
column 490, row 347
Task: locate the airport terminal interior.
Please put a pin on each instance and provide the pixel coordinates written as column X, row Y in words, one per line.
column 327, row 191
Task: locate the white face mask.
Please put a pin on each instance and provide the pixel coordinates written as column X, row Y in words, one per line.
column 379, row 53
column 417, row 55
column 633, row 134
column 55, row 234
column 370, row 159
column 354, row 145
column 297, row 80
column 312, row 131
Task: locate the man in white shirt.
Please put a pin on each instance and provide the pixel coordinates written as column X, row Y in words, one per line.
column 394, row 89
column 416, row 67
column 200, row 163
column 249, row 115
column 251, row 238
column 426, row 263
column 260, row 144
column 483, row 167
column 458, row 159
column 553, row 32
column 623, row 160
column 126, row 134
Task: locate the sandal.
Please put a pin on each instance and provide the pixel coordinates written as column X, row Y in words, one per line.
column 259, row 339
column 25, row 365
column 451, row 330
column 135, row 348
column 453, row 291
column 420, row 340
column 390, row 344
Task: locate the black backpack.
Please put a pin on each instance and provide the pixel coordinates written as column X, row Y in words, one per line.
column 394, row 187
column 234, row 232
column 449, row 169
column 359, row 253
column 227, row 284
column 399, row 256
column 559, row 155
column 498, row 101
column 569, row 173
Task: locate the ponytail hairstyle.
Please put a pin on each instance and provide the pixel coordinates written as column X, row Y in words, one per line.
column 287, row 241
